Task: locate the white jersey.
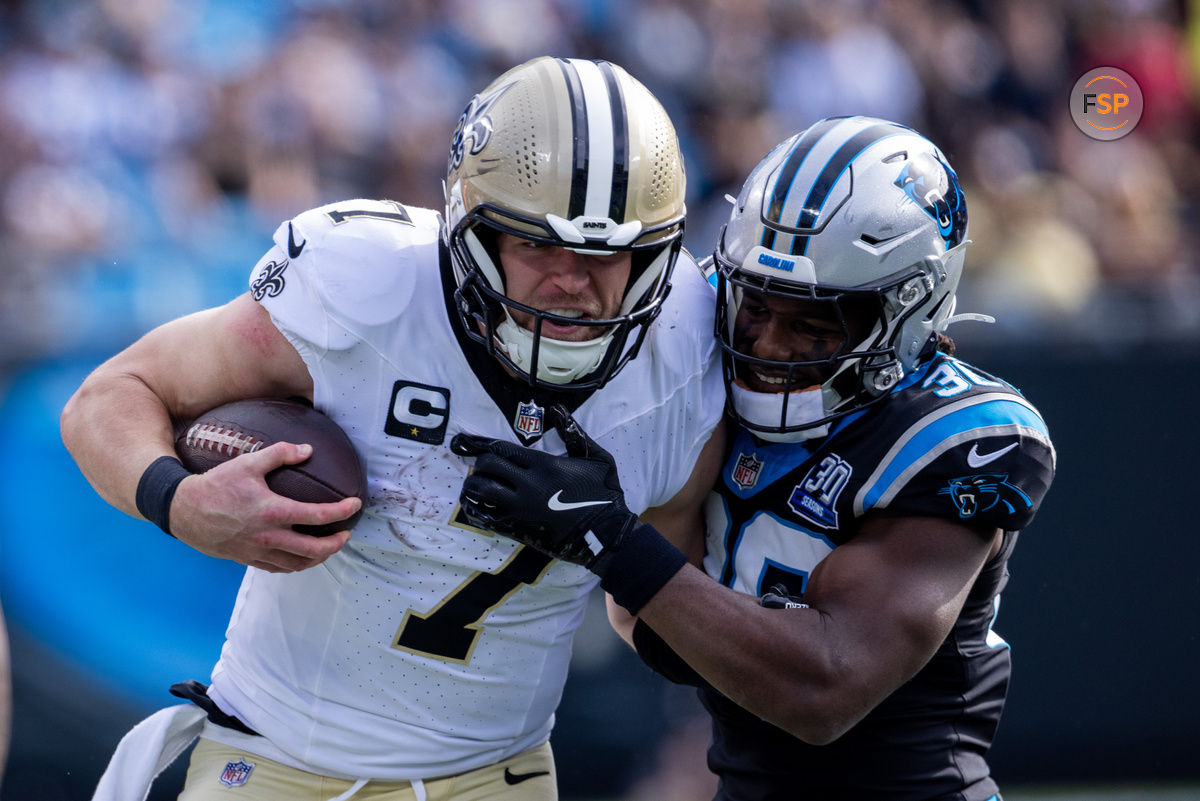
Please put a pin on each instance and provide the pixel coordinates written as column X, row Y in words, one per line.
column 426, row 647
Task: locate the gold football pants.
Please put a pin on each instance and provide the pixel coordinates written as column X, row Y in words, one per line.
column 217, row 769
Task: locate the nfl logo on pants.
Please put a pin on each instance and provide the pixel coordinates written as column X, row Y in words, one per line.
column 236, row 773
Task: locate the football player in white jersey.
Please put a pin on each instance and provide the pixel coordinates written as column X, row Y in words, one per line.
column 422, row 657
column 839, row 625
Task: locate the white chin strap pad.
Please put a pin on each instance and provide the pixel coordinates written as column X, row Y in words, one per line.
column 559, row 361
column 763, row 409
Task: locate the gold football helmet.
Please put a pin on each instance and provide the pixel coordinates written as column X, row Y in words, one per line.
column 576, row 154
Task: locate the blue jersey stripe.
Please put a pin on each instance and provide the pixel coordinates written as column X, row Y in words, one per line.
column 729, row 540
column 981, row 415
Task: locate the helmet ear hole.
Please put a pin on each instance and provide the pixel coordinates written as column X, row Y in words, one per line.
column 482, row 245
column 862, row 316
column 649, row 276
column 938, row 307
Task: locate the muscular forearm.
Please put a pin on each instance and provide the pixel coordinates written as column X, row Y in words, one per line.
column 114, row 426
column 120, row 419
column 780, row 664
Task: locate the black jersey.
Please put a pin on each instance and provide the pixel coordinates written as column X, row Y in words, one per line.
column 949, row 441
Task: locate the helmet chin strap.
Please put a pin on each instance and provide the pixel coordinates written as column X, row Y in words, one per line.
column 559, row 361
column 763, row 408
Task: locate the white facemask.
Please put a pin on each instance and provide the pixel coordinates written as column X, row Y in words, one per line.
column 559, row 360
column 763, row 408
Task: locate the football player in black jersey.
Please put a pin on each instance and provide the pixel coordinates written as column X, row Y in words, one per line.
column 838, row 618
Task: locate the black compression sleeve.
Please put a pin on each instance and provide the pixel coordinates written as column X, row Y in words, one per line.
column 661, row 658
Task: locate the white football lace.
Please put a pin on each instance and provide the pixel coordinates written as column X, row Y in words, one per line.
column 223, row 440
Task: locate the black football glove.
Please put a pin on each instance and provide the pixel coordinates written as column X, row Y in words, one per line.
column 778, row 598
column 568, row 507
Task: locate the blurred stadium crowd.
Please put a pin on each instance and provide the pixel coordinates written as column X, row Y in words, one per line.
column 148, row 148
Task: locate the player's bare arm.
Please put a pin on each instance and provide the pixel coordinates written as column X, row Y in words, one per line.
column 121, row 419
column 680, row 520
column 879, row 606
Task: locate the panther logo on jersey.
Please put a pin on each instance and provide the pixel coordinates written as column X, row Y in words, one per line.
column 975, row 494
column 934, row 187
column 269, row 282
column 474, row 125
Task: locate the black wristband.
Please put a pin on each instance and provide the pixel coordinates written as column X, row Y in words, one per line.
column 156, row 490
column 640, row 567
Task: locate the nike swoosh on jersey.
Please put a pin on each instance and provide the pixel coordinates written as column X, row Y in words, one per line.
column 294, row 250
column 557, row 505
column 977, row 459
column 517, row 778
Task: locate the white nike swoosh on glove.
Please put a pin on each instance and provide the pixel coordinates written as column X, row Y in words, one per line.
column 561, row 506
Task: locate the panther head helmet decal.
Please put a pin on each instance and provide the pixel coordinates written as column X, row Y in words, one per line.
column 933, row 186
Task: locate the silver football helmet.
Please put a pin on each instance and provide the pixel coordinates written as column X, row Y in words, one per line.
column 576, row 154
column 864, row 218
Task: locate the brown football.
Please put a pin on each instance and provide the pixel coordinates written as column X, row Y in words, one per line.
column 334, row 471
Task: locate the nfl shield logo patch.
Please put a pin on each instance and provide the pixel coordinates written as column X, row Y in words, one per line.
column 528, row 422
column 236, row 773
column 745, row 472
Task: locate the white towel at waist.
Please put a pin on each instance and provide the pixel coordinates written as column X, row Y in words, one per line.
column 146, row 751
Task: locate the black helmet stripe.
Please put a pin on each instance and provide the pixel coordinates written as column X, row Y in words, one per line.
column 787, row 174
column 600, row 175
column 620, row 136
column 579, row 124
column 829, row 175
